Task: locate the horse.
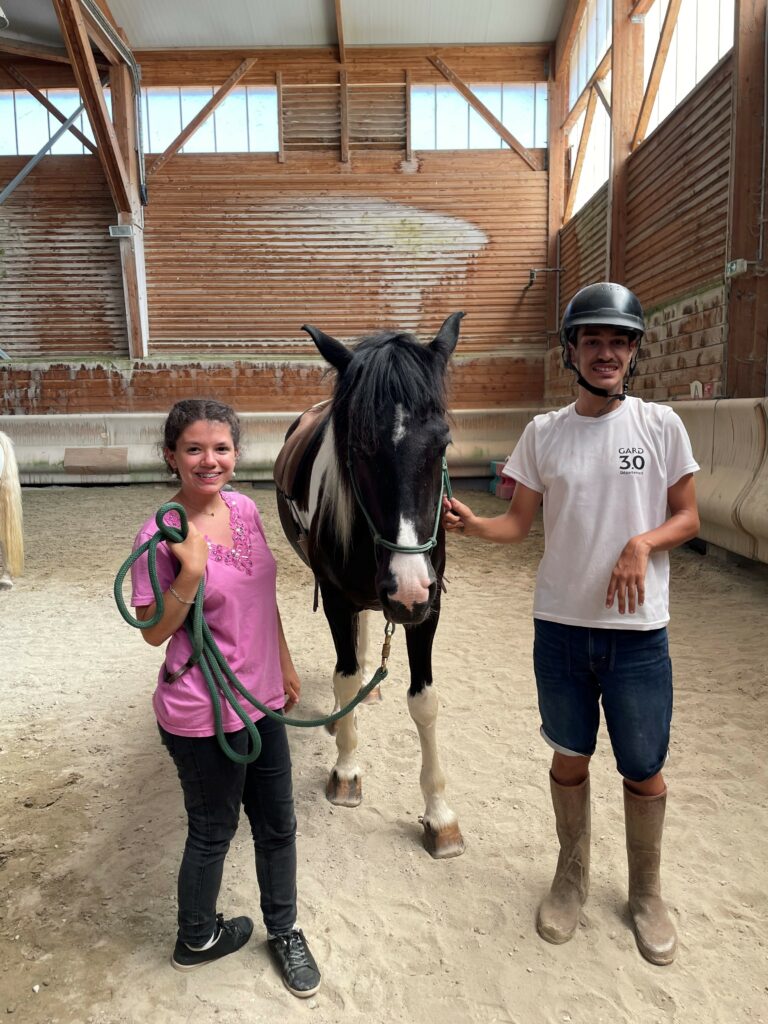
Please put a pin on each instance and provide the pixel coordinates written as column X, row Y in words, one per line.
column 360, row 480
column 11, row 532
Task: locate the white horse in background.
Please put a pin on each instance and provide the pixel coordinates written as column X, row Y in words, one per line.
column 11, row 532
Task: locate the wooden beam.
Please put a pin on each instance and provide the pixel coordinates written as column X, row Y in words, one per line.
column 603, row 98
column 340, row 33
column 34, row 51
column 79, row 49
column 97, row 35
column 25, row 83
column 131, row 248
column 344, row 111
column 599, row 74
column 626, row 97
column 747, row 342
column 203, row 115
column 280, row 140
column 484, row 112
column 556, row 187
column 640, row 8
column 657, row 69
column 408, row 147
column 569, row 26
column 581, row 153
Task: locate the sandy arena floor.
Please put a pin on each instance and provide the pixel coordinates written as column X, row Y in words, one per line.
column 91, row 822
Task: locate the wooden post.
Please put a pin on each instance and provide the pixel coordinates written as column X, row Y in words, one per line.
column 557, row 108
column 344, row 116
column 626, row 98
column 132, row 248
column 747, row 344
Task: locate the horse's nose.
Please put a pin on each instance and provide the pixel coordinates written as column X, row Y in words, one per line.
column 411, row 576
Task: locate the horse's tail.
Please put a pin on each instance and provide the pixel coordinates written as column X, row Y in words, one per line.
column 11, row 522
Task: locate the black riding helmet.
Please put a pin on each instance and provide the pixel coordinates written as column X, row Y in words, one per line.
column 604, row 304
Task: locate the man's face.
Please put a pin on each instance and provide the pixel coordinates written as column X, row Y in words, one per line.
column 602, row 355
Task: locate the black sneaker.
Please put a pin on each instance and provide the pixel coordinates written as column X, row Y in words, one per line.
column 231, row 936
column 295, row 963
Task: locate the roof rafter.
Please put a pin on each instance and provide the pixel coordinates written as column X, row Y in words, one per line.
column 340, row 33
column 599, row 74
column 79, row 48
column 657, row 69
column 203, row 115
column 25, row 83
column 581, row 153
column 485, row 113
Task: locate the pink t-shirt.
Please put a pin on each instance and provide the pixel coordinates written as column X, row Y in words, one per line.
column 240, row 608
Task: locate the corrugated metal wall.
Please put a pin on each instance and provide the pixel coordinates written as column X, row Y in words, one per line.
column 242, row 252
column 584, row 246
column 677, row 214
column 60, row 276
column 676, row 235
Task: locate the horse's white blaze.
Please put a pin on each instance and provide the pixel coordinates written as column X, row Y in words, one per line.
column 423, row 709
column 344, row 689
column 399, row 431
column 411, row 572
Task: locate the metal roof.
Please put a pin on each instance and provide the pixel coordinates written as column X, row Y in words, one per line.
column 187, row 24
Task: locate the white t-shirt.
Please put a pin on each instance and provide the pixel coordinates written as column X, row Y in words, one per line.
column 604, row 480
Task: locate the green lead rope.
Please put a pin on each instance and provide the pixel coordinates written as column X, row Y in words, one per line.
column 205, row 651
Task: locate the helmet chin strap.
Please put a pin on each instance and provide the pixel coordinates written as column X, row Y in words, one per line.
column 601, row 392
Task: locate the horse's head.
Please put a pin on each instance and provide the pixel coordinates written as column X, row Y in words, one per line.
column 390, row 433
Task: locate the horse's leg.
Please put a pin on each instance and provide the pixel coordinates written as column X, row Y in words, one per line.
column 442, row 835
column 344, row 786
column 363, row 656
column 6, row 583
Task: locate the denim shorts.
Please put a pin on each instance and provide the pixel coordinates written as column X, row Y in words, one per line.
column 628, row 670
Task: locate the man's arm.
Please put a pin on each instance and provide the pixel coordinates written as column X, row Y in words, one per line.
column 510, row 528
column 627, row 581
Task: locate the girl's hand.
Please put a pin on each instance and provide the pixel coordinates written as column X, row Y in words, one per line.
column 292, row 688
column 192, row 552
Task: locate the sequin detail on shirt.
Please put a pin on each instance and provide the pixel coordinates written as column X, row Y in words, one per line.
column 239, row 555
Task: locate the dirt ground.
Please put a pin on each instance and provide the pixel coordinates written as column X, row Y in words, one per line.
column 91, row 819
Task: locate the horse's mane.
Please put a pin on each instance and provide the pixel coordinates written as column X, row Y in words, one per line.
column 387, row 369
column 11, row 533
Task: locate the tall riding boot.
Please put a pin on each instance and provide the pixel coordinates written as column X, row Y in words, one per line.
column 654, row 928
column 559, row 911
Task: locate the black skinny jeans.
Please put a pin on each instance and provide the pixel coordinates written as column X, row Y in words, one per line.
column 214, row 787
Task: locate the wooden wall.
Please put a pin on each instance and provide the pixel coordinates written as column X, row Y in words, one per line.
column 242, row 249
column 61, row 288
column 677, row 229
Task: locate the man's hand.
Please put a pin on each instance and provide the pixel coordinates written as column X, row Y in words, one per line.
column 627, row 581
column 457, row 516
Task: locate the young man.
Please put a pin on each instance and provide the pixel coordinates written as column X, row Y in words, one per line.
column 616, row 476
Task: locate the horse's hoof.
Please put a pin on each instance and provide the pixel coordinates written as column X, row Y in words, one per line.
column 374, row 697
column 344, row 792
column 447, row 842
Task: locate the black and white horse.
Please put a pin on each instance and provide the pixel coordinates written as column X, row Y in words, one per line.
column 367, row 503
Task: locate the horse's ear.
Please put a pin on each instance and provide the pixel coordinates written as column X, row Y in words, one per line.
column 333, row 351
column 447, row 336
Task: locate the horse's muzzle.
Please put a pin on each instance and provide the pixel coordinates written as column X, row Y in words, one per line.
column 407, row 615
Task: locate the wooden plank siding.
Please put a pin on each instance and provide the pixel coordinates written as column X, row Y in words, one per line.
column 583, row 255
column 677, row 214
column 61, row 285
column 241, row 251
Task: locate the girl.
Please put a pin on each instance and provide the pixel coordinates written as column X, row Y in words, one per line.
column 226, row 547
